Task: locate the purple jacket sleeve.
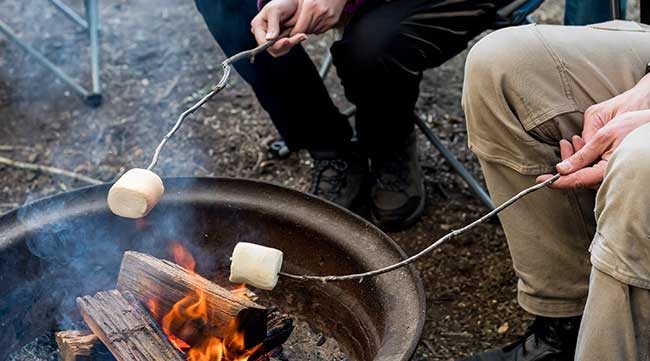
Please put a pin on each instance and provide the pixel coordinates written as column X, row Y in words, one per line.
column 350, row 7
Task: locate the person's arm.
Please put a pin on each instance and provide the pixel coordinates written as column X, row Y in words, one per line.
column 606, row 124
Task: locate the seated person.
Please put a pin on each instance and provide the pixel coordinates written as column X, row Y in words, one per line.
column 574, row 100
column 385, row 47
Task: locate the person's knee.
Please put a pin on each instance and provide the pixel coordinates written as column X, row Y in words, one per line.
column 492, row 72
column 489, row 62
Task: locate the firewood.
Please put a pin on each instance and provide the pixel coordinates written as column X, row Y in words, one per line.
column 85, row 346
column 279, row 328
column 81, row 346
column 123, row 324
column 165, row 283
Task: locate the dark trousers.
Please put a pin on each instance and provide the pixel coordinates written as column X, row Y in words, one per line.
column 384, row 50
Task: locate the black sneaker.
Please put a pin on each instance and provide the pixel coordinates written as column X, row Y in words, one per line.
column 547, row 339
column 338, row 179
column 397, row 195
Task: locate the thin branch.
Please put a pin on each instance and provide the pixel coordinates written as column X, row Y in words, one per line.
column 223, row 82
column 47, row 169
column 433, row 246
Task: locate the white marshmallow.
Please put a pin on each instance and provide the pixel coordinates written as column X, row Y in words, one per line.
column 255, row 265
column 135, row 193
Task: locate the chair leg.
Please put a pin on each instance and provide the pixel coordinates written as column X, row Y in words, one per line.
column 616, row 8
column 58, row 72
column 92, row 18
column 473, row 184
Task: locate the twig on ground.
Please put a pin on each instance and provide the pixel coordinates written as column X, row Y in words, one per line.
column 427, row 344
column 47, row 169
column 433, row 246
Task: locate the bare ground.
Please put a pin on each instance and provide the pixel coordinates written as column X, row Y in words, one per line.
column 156, row 61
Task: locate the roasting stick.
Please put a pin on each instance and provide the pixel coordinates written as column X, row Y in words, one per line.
column 136, row 193
column 258, row 265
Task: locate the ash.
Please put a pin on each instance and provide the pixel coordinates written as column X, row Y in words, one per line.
column 42, row 348
column 305, row 344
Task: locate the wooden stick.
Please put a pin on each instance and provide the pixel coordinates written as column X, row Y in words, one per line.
column 47, row 169
column 151, row 279
column 81, row 346
column 123, row 324
column 434, row 245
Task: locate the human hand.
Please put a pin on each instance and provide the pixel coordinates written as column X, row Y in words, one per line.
column 305, row 16
column 584, row 161
column 266, row 25
column 634, row 99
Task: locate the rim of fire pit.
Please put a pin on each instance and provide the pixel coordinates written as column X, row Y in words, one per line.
column 407, row 311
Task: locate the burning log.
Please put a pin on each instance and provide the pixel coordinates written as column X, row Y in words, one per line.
column 123, row 324
column 164, row 283
column 279, row 328
column 81, row 346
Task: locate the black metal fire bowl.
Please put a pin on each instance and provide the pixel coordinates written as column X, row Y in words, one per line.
column 68, row 245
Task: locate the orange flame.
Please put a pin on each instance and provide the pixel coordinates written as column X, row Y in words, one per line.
column 187, row 325
column 182, row 256
column 242, row 291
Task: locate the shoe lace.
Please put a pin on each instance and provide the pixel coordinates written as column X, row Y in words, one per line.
column 328, row 184
column 392, row 175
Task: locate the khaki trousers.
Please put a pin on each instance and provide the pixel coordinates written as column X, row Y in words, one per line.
column 526, row 88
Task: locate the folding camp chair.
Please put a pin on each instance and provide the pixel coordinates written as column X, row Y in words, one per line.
column 90, row 23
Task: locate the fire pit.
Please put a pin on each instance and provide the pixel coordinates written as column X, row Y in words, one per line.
column 70, row 245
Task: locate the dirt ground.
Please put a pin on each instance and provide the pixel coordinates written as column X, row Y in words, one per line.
column 155, row 61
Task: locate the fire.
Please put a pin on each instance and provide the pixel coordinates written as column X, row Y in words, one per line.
column 187, row 324
column 182, row 256
column 242, row 292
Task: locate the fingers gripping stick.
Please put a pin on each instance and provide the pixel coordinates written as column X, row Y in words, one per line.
column 261, row 266
column 139, row 190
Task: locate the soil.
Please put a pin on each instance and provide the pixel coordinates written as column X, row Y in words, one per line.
column 156, row 60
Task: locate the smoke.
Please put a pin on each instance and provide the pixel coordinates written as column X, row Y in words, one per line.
column 154, row 62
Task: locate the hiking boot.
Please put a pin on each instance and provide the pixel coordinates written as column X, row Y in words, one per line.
column 338, row 179
column 547, row 339
column 397, row 195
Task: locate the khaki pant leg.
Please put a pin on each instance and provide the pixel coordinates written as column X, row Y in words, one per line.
column 621, row 247
column 525, row 89
column 616, row 322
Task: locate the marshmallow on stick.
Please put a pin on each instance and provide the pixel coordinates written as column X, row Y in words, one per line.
column 255, row 265
column 135, row 193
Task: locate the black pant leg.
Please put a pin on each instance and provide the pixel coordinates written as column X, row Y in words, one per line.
column 288, row 88
column 386, row 47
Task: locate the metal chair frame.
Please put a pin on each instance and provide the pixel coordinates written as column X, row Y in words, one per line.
column 90, row 23
column 456, row 165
